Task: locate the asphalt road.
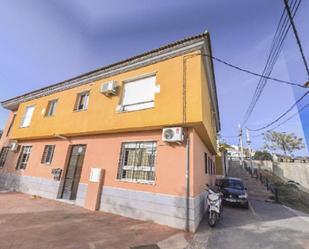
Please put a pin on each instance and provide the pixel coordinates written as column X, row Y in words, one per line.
column 266, row 225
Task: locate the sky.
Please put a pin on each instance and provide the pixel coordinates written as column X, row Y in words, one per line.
column 45, row 42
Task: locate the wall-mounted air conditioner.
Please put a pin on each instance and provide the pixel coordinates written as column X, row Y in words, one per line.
column 14, row 146
column 109, row 88
column 173, row 135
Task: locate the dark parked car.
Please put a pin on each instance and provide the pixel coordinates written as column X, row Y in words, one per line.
column 234, row 191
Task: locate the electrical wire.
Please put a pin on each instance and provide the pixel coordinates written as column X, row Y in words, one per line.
column 253, row 73
column 282, row 115
column 294, row 115
column 287, row 7
column 276, row 47
column 280, row 124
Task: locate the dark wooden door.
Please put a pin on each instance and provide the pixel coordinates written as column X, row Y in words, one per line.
column 73, row 172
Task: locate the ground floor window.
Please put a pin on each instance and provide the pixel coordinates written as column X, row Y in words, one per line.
column 137, row 161
column 48, row 153
column 3, row 154
column 24, row 157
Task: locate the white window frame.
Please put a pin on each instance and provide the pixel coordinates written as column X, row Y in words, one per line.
column 26, row 120
column 51, row 108
column 137, row 168
column 48, row 154
column 78, row 103
column 3, row 155
column 141, row 101
column 22, row 164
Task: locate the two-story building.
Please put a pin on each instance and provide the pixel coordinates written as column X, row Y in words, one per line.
column 136, row 138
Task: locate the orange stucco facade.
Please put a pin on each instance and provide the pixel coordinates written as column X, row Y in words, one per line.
column 186, row 98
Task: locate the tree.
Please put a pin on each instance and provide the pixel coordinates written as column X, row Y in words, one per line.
column 1, row 132
column 262, row 156
column 282, row 141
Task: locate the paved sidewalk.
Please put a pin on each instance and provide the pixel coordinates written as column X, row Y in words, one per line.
column 27, row 223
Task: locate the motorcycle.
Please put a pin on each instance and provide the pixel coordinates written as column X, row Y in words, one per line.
column 214, row 206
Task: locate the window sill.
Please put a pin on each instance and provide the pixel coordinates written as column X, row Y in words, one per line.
column 82, row 110
column 143, row 109
column 137, row 181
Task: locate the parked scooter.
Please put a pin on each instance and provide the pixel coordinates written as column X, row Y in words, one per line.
column 214, row 206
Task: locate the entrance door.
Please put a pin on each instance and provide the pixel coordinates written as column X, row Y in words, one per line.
column 73, row 172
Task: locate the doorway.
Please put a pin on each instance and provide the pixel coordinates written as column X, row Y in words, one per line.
column 73, row 172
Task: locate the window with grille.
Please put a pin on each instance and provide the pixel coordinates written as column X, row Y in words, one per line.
column 3, row 154
column 26, row 120
column 139, row 94
column 48, row 153
column 211, row 167
column 24, row 157
column 206, row 163
column 137, row 161
column 82, row 101
column 51, row 108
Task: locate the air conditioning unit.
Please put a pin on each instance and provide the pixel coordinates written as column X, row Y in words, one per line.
column 173, row 135
column 109, row 88
column 14, row 147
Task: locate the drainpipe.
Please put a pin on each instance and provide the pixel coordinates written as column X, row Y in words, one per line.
column 187, row 227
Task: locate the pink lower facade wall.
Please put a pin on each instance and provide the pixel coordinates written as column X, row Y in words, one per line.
column 162, row 201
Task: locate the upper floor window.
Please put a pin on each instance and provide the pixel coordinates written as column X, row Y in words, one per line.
column 137, row 161
column 3, row 154
column 24, row 157
column 51, row 108
column 139, row 94
column 26, row 120
column 48, row 153
column 82, row 101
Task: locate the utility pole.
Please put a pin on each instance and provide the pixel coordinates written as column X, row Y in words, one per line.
column 249, row 146
column 241, row 146
column 288, row 10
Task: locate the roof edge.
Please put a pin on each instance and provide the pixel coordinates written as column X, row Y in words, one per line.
column 12, row 104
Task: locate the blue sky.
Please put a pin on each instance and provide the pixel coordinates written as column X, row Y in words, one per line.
column 44, row 42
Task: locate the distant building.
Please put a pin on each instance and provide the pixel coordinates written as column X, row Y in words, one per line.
column 234, row 152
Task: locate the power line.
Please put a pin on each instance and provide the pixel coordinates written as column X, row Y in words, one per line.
column 278, row 125
column 295, row 114
column 282, row 115
column 276, row 47
column 287, row 7
column 253, row 73
column 275, row 50
column 283, row 122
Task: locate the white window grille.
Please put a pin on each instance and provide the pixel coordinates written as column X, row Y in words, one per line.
column 48, row 154
column 137, row 161
column 24, row 157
